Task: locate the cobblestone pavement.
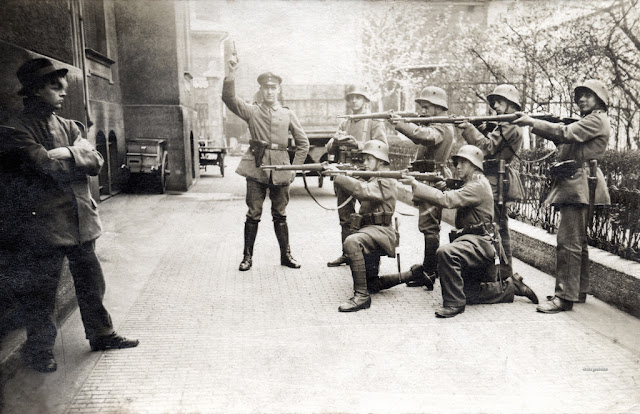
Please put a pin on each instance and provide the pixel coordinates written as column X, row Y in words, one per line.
column 213, row 339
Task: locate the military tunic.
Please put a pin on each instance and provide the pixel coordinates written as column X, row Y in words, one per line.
column 375, row 195
column 581, row 141
column 503, row 143
column 474, row 204
column 270, row 125
column 362, row 130
column 434, row 143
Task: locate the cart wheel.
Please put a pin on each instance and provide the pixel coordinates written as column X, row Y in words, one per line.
column 164, row 173
column 222, row 164
column 320, row 180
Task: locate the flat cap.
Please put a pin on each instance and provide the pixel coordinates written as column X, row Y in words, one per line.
column 269, row 78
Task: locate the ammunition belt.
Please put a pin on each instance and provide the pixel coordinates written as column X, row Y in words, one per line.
column 382, row 218
column 266, row 145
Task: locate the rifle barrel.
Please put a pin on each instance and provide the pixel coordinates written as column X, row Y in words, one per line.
column 476, row 119
column 379, row 115
column 295, row 167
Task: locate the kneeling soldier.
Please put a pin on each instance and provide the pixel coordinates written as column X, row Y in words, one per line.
column 466, row 265
column 372, row 234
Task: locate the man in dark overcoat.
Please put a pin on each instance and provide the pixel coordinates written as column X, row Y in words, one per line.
column 49, row 214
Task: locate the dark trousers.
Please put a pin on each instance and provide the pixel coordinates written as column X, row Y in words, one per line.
column 257, row 192
column 33, row 275
column 344, row 213
column 465, row 277
column 572, row 263
column 429, row 225
column 502, row 218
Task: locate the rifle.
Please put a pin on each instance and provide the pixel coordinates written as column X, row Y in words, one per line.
column 318, row 167
column 476, row 120
column 380, row 115
column 501, row 183
column 425, row 177
column 592, row 183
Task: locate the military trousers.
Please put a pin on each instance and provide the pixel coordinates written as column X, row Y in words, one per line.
column 344, row 213
column 464, row 270
column 256, row 194
column 502, row 219
column 429, row 225
column 572, row 253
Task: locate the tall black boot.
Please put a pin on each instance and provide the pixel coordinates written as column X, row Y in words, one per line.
column 250, row 232
column 361, row 298
column 430, row 263
column 282, row 234
column 389, row 281
column 372, row 266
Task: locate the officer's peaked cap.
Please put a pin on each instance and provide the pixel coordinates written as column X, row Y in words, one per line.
column 269, row 78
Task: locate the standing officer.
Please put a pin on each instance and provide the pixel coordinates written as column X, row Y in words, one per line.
column 465, row 264
column 269, row 126
column 48, row 214
column 579, row 142
column 353, row 133
column 434, row 147
column 372, row 234
column 502, row 143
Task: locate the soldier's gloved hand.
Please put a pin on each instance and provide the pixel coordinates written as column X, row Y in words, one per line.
column 330, row 167
column 347, row 140
column 293, row 176
column 464, row 125
column 408, row 180
column 232, row 64
column 523, row 119
column 440, row 185
column 395, row 118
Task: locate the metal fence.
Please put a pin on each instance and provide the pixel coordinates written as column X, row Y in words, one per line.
column 615, row 228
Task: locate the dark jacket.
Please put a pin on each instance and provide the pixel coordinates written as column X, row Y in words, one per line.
column 375, row 195
column 581, row 141
column 44, row 200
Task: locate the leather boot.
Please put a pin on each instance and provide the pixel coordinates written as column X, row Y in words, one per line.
column 282, row 234
column 339, row 261
column 389, row 281
column 250, row 232
column 523, row 290
column 361, row 298
column 372, row 266
column 421, row 278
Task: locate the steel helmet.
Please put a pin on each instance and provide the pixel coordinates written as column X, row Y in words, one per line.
column 378, row 149
column 594, row 86
column 433, row 95
column 358, row 90
column 470, row 153
column 508, row 92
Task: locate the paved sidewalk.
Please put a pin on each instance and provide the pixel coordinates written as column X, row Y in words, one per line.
column 271, row 340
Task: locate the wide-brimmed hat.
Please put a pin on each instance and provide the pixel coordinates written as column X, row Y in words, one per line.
column 34, row 70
